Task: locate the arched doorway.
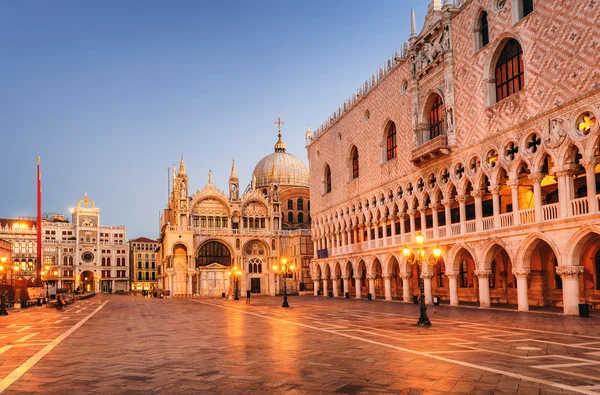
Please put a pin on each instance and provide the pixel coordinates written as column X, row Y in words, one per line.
column 87, row 281
column 339, row 286
column 360, row 284
column 396, row 281
column 212, row 263
column 179, row 283
column 545, row 285
column 377, row 272
column 502, row 281
column 439, row 281
column 464, row 266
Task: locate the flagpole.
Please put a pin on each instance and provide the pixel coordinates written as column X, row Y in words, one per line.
column 39, row 224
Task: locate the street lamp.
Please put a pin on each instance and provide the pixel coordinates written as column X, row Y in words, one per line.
column 418, row 257
column 2, row 295
column 236, row 273
column 285, row 270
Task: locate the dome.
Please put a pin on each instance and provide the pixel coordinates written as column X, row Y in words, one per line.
column 281, row 168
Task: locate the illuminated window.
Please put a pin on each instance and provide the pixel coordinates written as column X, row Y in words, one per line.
column 509, row 70
column 391, row 141
column 354, row 162
column 327, row 179
column 437, row 113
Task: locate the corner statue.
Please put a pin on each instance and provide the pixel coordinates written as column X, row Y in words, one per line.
column 210, row 176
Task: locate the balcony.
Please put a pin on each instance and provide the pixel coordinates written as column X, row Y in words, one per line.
column 430, row 150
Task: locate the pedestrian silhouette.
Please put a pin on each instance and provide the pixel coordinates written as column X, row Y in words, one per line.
column 248, row 297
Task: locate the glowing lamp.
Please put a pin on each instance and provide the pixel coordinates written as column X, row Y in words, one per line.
column 292, row 267
column 1, row 268
column 283, row 260
column 437, row 252
column 275, row 267
column 420, row 239
column 16, row 268
column 3, row 259
column 406, row 252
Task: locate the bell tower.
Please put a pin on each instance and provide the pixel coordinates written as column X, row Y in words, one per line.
column 234, row 184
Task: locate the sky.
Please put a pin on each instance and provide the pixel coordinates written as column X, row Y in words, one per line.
column 110, row 94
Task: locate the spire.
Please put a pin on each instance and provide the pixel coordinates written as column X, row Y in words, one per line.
column 181, row 166
column 413, row 24
column 279, row 145
column 233, row 175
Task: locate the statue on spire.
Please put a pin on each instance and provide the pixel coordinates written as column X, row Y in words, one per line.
column 210, row 176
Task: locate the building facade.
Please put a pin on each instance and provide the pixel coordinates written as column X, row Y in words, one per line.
column 205, row 235
column 87, row 255
column 143, row 264
column 482, row 136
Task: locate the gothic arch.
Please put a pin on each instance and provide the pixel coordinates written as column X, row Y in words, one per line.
column 527, row 246
column 453, row 254
column 578, row 242
column 489, row 250
column 489, row 69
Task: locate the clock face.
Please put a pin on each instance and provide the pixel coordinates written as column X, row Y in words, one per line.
column 87, row 256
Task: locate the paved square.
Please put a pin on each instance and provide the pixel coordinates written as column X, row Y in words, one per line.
column 124, row 344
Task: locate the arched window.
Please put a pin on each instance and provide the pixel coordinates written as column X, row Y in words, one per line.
column 118, row 261
column 485, row 32
column 509, row 70
column 391, row 141
column 65, row 261
column 103, row 261
column 521, row 8
column 214, row 252
column 300, row 218
column 354, row 162
column 70, row 261
column 300, row 204
column 437, row 121
column 108, row 261
column 290, row 217
column 327, row 179
column 290, row 204
column 259, row 267
column 250, row 268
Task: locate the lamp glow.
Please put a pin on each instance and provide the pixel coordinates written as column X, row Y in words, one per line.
column 420, row 239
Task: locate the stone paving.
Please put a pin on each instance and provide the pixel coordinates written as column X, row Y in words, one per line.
column 132, row 345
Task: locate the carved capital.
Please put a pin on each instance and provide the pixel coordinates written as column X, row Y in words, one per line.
column 371, row 277
column 569, row 272
column 324, row 278
column 358, row 277
column 386, row 276
column 345, row 278
column 520, row 273
column 411, row 212
column 447, row 202
column 536, row 178
column 316, row 278
column 434, row 206
column 461, row 198
column 513, row 183
column 452, row 274
column 482, row 273
column 588, row 163
column 426, row 275
column 495, row 189
column 478, row 193
column 405, row 276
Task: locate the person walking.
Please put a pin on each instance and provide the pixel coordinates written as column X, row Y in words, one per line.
column 248, row 297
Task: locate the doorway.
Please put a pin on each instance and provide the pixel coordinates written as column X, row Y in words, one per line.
column 255, row 285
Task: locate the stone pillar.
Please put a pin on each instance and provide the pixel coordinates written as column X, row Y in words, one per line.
column 411, row 214
column 316, row 285
column 346, row 284
column 514, row 186
column 325, row 286
column 387, row 281
column 335, row 280
column 495, row 190
column 358, row 286
column 385, row 235
column 570, row 283
column 426, row 276
column 372, row 286
column 453, row 285
column 405, row 287
column 483, row 276
column 522, row 294
column 462, row 199
column 536, row 179
column 423, row 211
column 477, row 195
column 393, row 228
column 401, row 219
column 448, row 214
column 434, row 218
column 590, row 178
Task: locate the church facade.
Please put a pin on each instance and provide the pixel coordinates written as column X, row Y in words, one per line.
column 482, row 137
column 207, row 234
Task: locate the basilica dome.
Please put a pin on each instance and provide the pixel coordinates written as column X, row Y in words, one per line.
column 281, row 168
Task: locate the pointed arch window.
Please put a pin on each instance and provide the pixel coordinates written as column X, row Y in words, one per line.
column 509, row 70
column 354, row 163
column 290, row 204
column 300, row 218
column 437, row 119
column 300, row 204
column 391, row 141
column 485, row 32
column 327, row 179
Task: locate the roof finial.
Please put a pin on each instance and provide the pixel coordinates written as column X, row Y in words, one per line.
column 413, row 24
column 233, row 175
column 181, row 166
column 280, row 145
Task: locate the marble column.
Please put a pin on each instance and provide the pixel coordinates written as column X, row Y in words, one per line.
column 387, row 281
column 324, row 286
column 405, row 287
column 426, row 276
column 514, row 187
column 590, row 177
column 522, row 290
column 536, row 179
column 346, row 284
column 402, row 224
column 448, row 214
column 462, row 199
column 453, row 287
column 483, row 277
column 372, row 287
column 434, row 217
column 570, row 283
column 358, row 287
column 335, row 280
column 411, row 214
column 423, row 211
column 385, row 235
column 495, row 190
column 316, row 281
column 477, row 195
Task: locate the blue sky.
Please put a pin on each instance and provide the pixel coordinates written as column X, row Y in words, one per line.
column 110, row 93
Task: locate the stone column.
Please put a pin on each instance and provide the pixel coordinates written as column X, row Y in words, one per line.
column 495, row 190
column 335, row 280
column 387, row 281
column 514, row 186
column 324, row 286
column 448, row 214
column 477, row 195
column 401, row 219
column 368, row 228
column 483, row 276
column 462, row 199
column 405, row 287
column 570, row 282
column 536, row 179
column 393, row 228
column 590, row 178
column 426, row 276
column 346, row 284
column 453, row 285
column 423, row 211
column 385, row 235
column 357, row 286
column 411, row 214
column 522, row 294
column 372, row 286
column 434, row 218
column 316, row 285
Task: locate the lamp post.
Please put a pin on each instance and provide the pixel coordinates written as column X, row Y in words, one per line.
column 418, row 257
column 236, row 274
column 285, row 270
column 2, row 295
